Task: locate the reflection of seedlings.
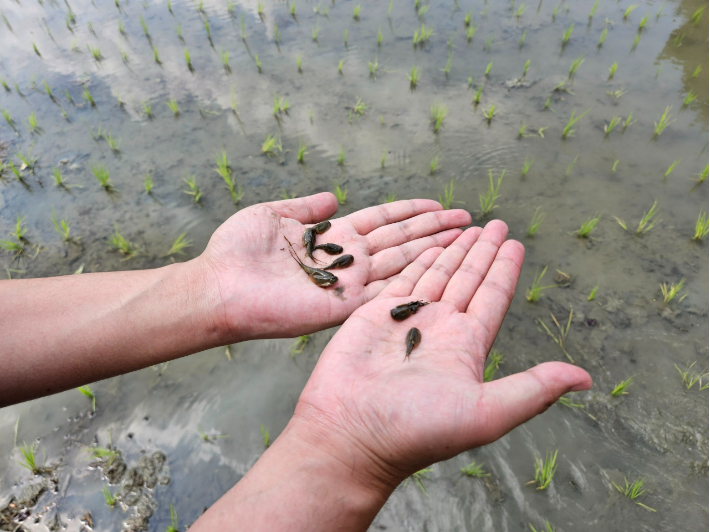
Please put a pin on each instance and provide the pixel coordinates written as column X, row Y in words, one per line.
column 119, row 243
column 86, row 94
column 62, row 228
column 341, row 194
column 341, row 156
column 670, row 291
column 495, row 358
column 575, row 65
column 545, row 470
column 568, row 131
column 29, row 460
column 413, row 76
column 438, row 113
column 434, row 165
column 448, row 200
column 271, row 146
column 593, row 293
column 102, row 176
column 534, row 293
column 192, row 190
column 488, row 200
column 690, row 377
column 560, row 338
column 173, row 106
column 662, row 123
column 300, row 344
column 633, row 490
column 85, row 390
column 535, row 223
column 265, row 436
column 587, row 226
column 689, row 98
column 701, row 227
column 490, row 113
column 620, row 389
column 418, row 477
column 474, row 470
column 109, row 498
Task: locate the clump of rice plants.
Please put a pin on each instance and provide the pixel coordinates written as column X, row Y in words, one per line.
column 448, row 200
column 179, row 245
column 702, row 176
column 87, row 392
column 341, row 156
column 300, row 157
column 495, row 359
column 474, row 470
column 670, row 291
column 113, row 143
column 434, row 165
column 633, row 490
column 477, row 95
column 629, row 10
column 148, row 183
column 702, row 225
column 573, row 119
column 588, row 226
column 173, row 526
column 174, row 107
column 8, row 118
column 106, row 454
column 265, row 436
column 109, row 498
column 418, row 477
column 691, row 377
column 575, row 66
column 59, row 179
column 615, row 121
column 438, row 113
column 188, row 60
column 192, row 189
column 125, row 247
column 101, row 174
column 488, row 68
column 62, row 228
column 271, row 146
column 689, row 98
column 33, row 125
column 561, row 337
column 534, row 293
column 662, row 122
column 487, row 200
column 413, row 76
column 620, row 389
column 341, row 194
column 225, row 172
column 535, row 223
column 29, row 458
column 545, row 470
column 489, row 113
column 697, row 15
column 567, row 35
column 602, row 38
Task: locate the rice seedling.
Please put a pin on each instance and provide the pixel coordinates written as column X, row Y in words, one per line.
column 418, row 477
column 86, row 392
column 148, row 109
column 633, row 490
column 101, row 174
column 4, row 84
column 560, row 338
column 447, row 67
column 265, row 436
column 629, row 10
column 474, row 470
column 242, row 30
column 670, row 291
column 29, row 460
column 602, row 38
column 360, row 107
column 109, row 498
column 438, row 113
column 341, row 194
column 47, row 89
column 207, row 30
column 612, row 69
column 148, row 183
column 477, row 95
column 345, row 38
column 467, row 19
column 547, row 102
column 526, row 67
column 192, row 189
column 487, row 200
column 545, row 470
column 34, row 47
column 587, row 226
column 615, row 121
column 59, row 179
column 568, row 131
column 119, row 243
column 341, row 157
column 690, row 377
column 106, row 454
column 495, row 358
column 636, row 42
column 570, row 166
column 534, row 293
column 356, row 12
column 299, row 59
column 535, row 223
column 620, row 389
column 548, row 526
column 642, row 23
column 62, row 228
column 413, row 76
column 8, row 118
column 575, row 65
column 567, row 35
column 648, row 220
column 697, row 15
column 702, row 176
column 32, row 121
column 86, row 94
column 689, row 98
column 373, row 67
column 488, row 43
column 258, row 63
column 488, row 68
column 425, row 33
column 471, row 32
column 113, row 143
column 701, row 227
column 144, row 26
column 16, row 248
column 697, row 71
column 300, row 157
column 628, row 121
column 521, row 10
column 434, row 165
column 271, row 146
column 662, row 123
column 179, row 245
column 490, row 113
column 28, row 161
column 300, row 344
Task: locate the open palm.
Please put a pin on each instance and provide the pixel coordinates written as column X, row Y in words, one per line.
column 263, row 292
column 393, row 415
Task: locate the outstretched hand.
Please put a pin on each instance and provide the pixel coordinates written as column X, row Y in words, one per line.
column 384, row 416
column 263, row 292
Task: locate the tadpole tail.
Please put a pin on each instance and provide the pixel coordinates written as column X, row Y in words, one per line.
column 292, row 251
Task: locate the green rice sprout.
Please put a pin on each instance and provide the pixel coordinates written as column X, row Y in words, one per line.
column 29, row 460
column 103, row 453
column 113, row 143
column 341, row 156
column 615, row 121
column 144, row 26
column 86, row 392
column 32, row 121
column 537, row 219
column 148, row 109
column 192, row 189
column 648, row 220
column 148, row 183
column 109, row 498
column 271, row 146
column 471, row 32
column 447, row 67
column 207, row 30
column 390, row 197
column 488, row 69
column 521, row 131
column 490, row 113
column 702, row 176
column 594, row 8
column 614, row 165
column 548, row 526
column 612, row 69
column 34, row 47
column 701, row 227
column 389, row 9
column 301, row 152
column 545, row 470
column 27, row 159
column 438, row 113
column 633, row 490
column 691, row 377
column 356, row 12
column 86, row 94
column 360, row 107
column 265, row 436
column 413, row 76
column 225, row 172
column 292, row 10
column 670, row 291
column 642, row 23
column 418, row 477
column 474, row 470
column 179, row 245
column 59, row 179
column 384, row 154
column 425, row 33
column 47, row 89
column 697, row 15
column 671, row 168
column 300, row 344
column 629, row 10
column 527, row 164
column 341, row 194
column 121, row 27
column 173, row 526
column 588, row 226
column 8, row 118
column 567, row 35
column 620, row 389
column 373, row 66
column 340, row 67
column 568, row 131
column 526, row 67
column 380, row 37
column 434, row 165
column 534, row 293
column 570, row 166
column 521, row 10
column 488, row 43
column 561, row 337
column 62, row 228
column 636, row 42
column 487, row 200
column 277, row 35
column 662, row 122
column 495, row 359
column 345, row 37
column 602, row 37
column 575, row 66
column 95, row 53
column 467, row 19
column 101, row 174
column 689, row 98
column 119, row 243
column 173, row 106
column 299, row 59
column 628, row 121
column 258, row 63
column 477, row 95
column 188, row 60
column 448, row 200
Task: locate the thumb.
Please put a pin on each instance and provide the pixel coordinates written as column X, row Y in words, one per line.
column 511, row 401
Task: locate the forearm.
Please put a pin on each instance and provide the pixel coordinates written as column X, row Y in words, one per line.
column 62, row 332
column 297, row 485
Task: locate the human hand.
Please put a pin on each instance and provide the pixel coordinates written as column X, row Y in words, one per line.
column 383, row 416
column 262, row 292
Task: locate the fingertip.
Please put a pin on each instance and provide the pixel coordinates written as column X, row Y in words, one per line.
column 512, row 250
column 462, row 215
column 498, row 225
column 428, row 257
column 324, row 205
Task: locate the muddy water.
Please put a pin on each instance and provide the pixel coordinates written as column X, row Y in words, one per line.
column 658, row 431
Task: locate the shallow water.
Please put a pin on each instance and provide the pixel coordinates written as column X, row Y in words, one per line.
column 659, row 430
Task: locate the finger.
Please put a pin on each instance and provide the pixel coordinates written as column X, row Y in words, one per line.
column 308, row 210
column 426, row 224
column 391, row 261
column 367, row 220
column 473, row 269
column 434, row 281
column 493, row 297
column 405, row 282
column 506, row 403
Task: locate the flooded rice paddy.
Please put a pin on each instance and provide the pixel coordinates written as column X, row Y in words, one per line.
column 131, row 59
